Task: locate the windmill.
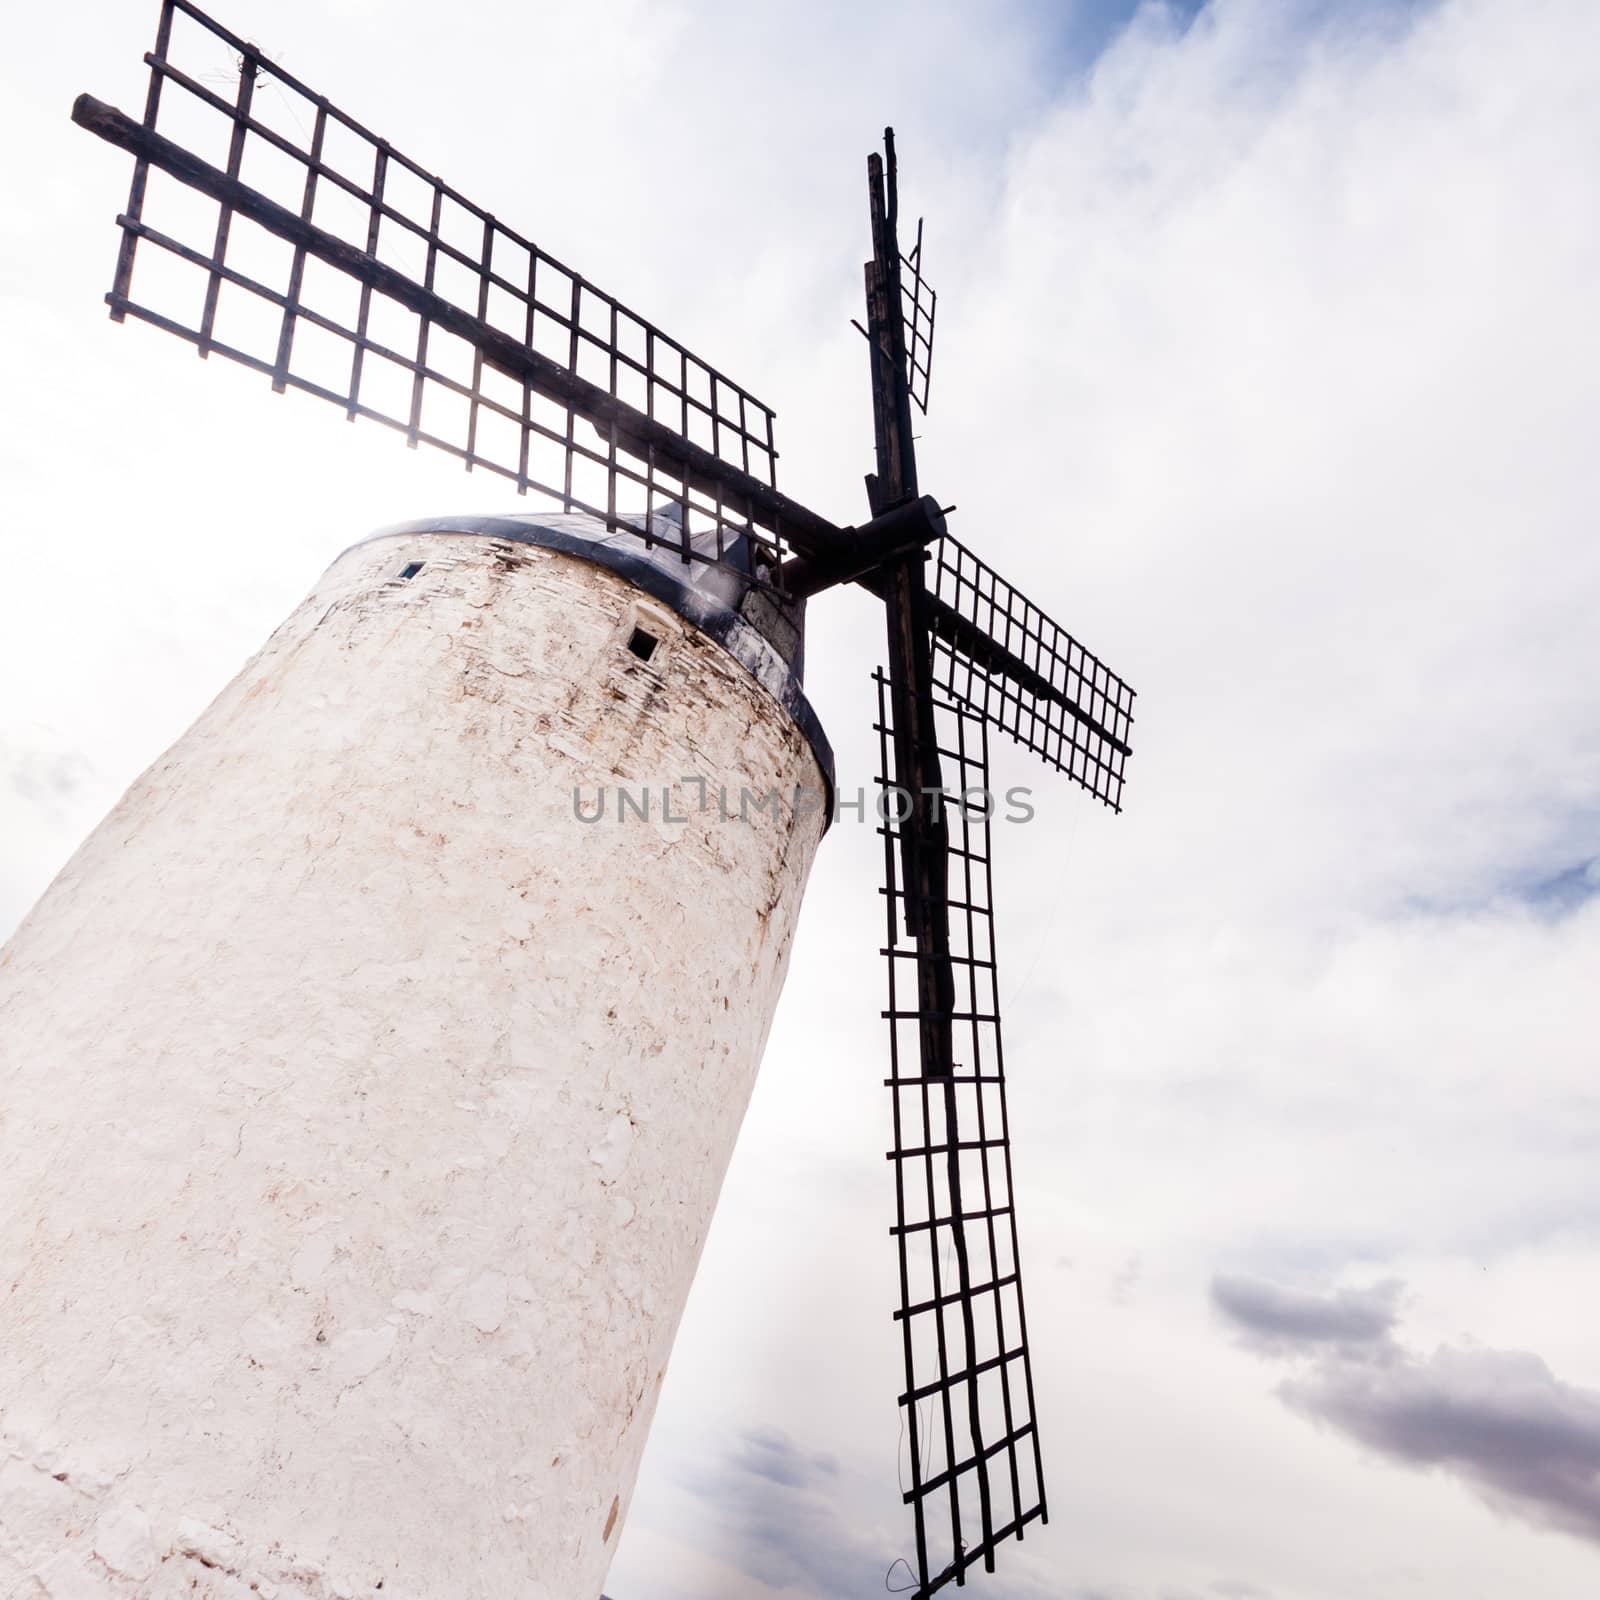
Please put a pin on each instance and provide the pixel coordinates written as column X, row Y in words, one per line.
column 654, row 461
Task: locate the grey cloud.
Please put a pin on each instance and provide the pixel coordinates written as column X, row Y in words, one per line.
column 1284, row 1320
column 1228, row 1588
column 780, row 1520
column 786, row 1519
column 1499, row 1420
column 771, row 1454
column 49, row 779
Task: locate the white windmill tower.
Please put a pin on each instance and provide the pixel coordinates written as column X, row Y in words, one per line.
column 368, row 1094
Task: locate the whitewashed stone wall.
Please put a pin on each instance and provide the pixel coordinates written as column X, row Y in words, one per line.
column 363, row 1112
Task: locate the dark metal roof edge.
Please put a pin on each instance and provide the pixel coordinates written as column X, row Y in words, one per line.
column 745, row 643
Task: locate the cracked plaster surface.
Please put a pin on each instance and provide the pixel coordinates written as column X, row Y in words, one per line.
column 364, row 1112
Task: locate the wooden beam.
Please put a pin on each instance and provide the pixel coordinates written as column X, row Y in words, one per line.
column 907, row 528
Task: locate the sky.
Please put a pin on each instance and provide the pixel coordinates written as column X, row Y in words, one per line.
column 1267, row 362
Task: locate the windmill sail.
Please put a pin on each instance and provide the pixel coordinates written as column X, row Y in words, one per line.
column 973, row 1476
column 298, row 243
column 998, row 653
column 918, row 302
